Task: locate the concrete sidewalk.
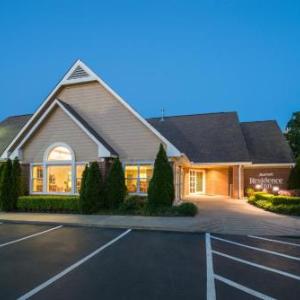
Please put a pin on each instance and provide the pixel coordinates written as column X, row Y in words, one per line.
column 215, row 215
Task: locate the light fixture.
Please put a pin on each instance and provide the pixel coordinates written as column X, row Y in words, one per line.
column 258, row 187
column 275, row 188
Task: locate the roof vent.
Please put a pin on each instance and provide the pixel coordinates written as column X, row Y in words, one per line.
column 78, row 73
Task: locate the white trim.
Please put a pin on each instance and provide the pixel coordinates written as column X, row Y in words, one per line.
column 171, row 149
column 203, row 182
column 220, row 163
column 71, row 268
column 240, row 181
column 102, row 150
column 279, row 165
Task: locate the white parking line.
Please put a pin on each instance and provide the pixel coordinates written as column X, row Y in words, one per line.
column 243, row 288
column 30, row 236
column 255, row 248
column 210, row 281
column 272, row 240
column 257, row 265
column 71, row 268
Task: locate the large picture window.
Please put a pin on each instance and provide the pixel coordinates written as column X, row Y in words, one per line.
column 58, row 174
column 137, row 178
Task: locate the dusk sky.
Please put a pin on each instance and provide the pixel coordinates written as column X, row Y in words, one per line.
column 186, row 56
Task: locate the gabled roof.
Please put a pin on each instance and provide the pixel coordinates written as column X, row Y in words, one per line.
column 80, row 73
column 266, row 143
column 85, row 124
column 104, row 149
column 205, row 138
column 9, row 129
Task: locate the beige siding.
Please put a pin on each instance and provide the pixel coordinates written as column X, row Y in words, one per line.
column 115, row 123
column 58, row 127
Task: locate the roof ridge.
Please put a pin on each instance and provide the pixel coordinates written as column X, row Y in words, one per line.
column 259, row 121
column 194, row 115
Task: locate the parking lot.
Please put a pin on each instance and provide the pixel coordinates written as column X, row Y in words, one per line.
column 61, row 262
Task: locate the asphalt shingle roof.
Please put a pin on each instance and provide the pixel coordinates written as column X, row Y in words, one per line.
column 266, row 143
column 9, row 129
column 205, row 138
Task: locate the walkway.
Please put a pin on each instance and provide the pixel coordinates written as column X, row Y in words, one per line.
column 216, row 215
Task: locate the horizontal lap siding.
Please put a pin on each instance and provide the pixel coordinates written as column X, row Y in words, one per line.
column 58, row 127
column 114, row 122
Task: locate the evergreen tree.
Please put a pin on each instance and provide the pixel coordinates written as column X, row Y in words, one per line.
column 5, row 186
column 161, row 188
column 93, row 190
column 82, row 192
column 293, row 133
column 115, row 188
column 15, row 183
column 294, row 180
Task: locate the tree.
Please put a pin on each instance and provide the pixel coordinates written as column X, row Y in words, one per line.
column 16, row 178
column 5, row 186
column 294, row 179
column 161, row 188
column 115, row 188
column 93, row 199
column 293, row 133
column 82, row 192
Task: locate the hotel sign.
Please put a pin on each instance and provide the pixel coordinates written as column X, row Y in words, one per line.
column 266, row 178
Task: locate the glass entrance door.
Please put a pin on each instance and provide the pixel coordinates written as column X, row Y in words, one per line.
column 196, row 182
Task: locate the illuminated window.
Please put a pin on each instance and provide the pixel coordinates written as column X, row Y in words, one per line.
column 59, row 179
column 137, row 178
column 37, row 179
column 60, row 153
column 79, row 171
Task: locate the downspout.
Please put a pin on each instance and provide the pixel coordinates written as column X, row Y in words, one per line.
column 240, row 182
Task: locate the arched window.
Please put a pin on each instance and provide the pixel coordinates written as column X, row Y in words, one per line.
column 60, row 153
column 59, row 173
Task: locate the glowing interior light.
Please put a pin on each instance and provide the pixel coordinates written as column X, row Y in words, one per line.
column 258, row 187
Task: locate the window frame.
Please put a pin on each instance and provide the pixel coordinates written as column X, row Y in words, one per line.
column 45, row 164
column 137, row 164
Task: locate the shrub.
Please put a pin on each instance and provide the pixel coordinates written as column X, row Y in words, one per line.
column 133, row 204
column 6, row 194
column 48, row 203
column 16, row 183
column 161, row 187
column 250, row 192
column 93, row 196
column 115, row 188
column 82, row 192
column 186, row 209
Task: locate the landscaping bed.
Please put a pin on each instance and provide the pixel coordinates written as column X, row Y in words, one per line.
column 133, row 205
column 278, row 204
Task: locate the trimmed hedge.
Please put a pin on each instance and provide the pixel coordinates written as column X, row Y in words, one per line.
column 277, row 204
column 62, row 204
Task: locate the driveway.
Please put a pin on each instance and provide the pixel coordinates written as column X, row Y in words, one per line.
column 232, row 216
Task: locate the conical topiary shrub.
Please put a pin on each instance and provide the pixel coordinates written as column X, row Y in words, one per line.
column 5, row 186
column 93, row 199
column 294, row 179
column 115, row 188
column 161, row 187
column 82, row 192
column 16, row 183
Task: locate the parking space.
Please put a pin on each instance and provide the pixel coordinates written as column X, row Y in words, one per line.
column 260, row 267
column 60, row 262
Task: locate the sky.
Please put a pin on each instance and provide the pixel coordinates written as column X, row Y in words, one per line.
column 184, row 56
